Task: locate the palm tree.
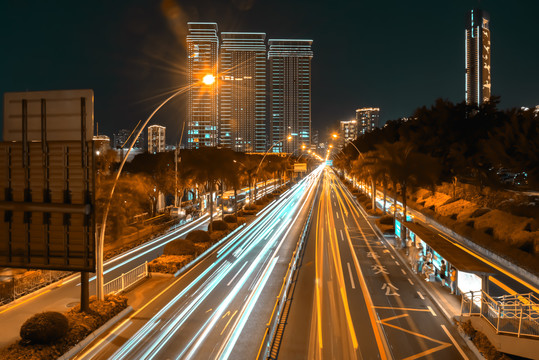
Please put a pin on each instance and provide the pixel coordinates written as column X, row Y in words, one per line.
column 407, row 167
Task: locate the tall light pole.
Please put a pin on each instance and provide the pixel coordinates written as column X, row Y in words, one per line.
column 207, row 80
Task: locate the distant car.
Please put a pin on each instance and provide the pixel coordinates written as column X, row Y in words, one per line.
column 176, row 211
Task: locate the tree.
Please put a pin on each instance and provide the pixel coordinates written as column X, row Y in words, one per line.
column 407, row 167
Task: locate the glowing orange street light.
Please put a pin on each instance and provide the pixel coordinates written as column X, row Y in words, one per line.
column 303, row 147
column 289, row 137
column 208, row 79
column 335, row 136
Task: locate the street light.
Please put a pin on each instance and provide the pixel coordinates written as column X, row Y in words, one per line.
column 208, row 80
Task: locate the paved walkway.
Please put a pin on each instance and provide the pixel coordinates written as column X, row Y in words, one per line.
column 137, row 297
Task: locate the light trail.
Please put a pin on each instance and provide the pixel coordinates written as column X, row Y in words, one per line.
column 258, row 238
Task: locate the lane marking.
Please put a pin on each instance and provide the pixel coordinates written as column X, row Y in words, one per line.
column 239, row 271
column 396, row 262
column 431, row 311
column 420, row 295
column 351, row 277
column 411, row 282
column 342, row 236
column 228, row 322
column 392, row 257
column 403, row 272
column 455, row 343
column 336, row 213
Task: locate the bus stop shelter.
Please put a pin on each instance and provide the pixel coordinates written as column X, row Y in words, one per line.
column 472, row 273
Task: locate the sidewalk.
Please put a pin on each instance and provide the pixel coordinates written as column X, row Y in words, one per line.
column 137, row 296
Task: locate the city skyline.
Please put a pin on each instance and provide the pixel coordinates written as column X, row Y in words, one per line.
column 478, row 58
column 144, row 58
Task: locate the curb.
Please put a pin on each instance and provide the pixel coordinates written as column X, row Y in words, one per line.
column 82, row 344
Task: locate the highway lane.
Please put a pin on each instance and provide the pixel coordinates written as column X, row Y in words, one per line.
column 66, row 293
column 366, row 305
column 220, row 307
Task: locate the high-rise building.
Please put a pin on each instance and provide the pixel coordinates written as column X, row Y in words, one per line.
column 290, row 94
column 348, row 132
column 242, row 92
column 203, row 102
column 156, row 139
column 122, row 138
column 367, row 119
column 477, row 42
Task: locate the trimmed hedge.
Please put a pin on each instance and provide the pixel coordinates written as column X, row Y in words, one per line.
column 198, row 236
column 179, row 247
column 219, row 225
column 231, row 219
column 44, row 328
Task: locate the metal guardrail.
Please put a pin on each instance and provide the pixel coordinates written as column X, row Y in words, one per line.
column 283, row 300
column 509, row 314
column 127, row 280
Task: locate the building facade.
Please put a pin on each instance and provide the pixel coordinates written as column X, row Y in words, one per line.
column 477, row 42
column 203, row 100
column 156, row 139
column 367, row 119
column 242, row 92
column 290, row 94
column 348, row 132
column 123, row 135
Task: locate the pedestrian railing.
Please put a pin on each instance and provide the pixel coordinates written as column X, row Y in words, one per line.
column 509, row 314
column 121, row 283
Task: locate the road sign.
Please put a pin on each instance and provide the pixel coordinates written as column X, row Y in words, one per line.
column 47, row 216
column 329, row 162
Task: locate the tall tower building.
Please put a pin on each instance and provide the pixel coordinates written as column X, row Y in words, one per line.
column 348, row 132
column 367, row 119
column 478, row 82
column 156, row 139
column 290, row 94
column 203, row 106
column 242, row 91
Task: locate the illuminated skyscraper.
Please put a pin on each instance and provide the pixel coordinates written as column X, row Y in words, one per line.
column 478, row 82
column 243, row 91
column 290, row 93
column 203, row 102
column 156, row 139
column 348, row 132
column 367, row 119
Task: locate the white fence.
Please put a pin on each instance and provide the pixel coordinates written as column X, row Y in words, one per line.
column 510, row 314
column 126, row 280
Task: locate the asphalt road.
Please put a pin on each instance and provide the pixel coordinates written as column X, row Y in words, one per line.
column 221, row 306
column 353, row 299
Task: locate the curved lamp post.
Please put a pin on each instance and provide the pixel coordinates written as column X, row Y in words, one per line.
column 207, row 80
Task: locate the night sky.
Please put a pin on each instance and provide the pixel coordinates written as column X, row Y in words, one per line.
column 396, row 55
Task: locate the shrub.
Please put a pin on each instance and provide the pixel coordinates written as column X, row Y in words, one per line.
column 180, row 247
column 198, row 236
column 249, row 207
column 44, row 328
column 219, row 225
column 489, row 231
column 231, row 219
column 470, row 223
column 242, row 220
column 368, row 206
column 386, row 220
column 479, row 212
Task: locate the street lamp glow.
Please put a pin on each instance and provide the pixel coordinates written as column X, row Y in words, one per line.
column 208, row 79
column 289, row 137
column 335, row 136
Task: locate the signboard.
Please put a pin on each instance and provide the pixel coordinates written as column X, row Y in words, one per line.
column 47, row 197
column 300, row 167
column 329, row 162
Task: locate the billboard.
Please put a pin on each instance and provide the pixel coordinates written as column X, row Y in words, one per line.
column 300, row 167
column 47, row 216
